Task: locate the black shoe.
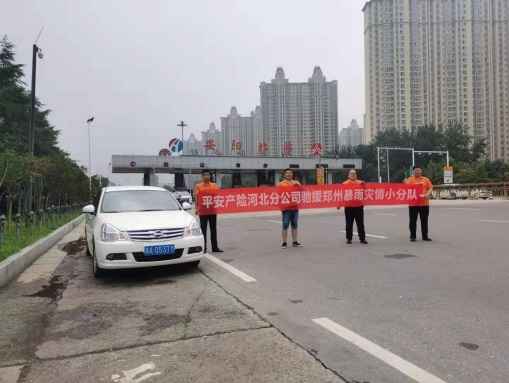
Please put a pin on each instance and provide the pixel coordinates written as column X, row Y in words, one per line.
column 296, row 244
column 427, row 239
column 348, row 241
column 284, row 245
column 218, row 250
column 412, row 239
column 364, row 242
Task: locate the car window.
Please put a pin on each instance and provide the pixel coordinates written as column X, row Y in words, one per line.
column 138, row 200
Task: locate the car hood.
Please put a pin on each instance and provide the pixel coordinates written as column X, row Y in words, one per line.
column 148, row 220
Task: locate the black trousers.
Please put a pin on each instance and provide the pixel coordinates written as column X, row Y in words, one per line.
column 423, row 213
column 355, row 214
column 212, row 221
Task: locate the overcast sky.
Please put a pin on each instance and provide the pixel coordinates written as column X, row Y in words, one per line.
column 141, row 66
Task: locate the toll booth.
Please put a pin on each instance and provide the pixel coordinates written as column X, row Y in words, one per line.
column 230, row 171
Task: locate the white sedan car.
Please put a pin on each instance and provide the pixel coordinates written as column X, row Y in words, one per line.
column 140, row 226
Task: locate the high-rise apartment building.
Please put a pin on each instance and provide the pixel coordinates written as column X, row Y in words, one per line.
column 256, row 116
column 238, row 134
column 437, row 62
column 192, row 146
column 298, row 115
column 351, row 136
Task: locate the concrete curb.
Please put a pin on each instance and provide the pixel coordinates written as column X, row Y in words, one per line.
column 11, row 267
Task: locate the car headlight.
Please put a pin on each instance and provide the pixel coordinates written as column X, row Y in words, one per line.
column 110, row 233
column 193, row 229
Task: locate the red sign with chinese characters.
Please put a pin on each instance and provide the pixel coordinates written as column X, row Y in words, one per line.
column 210, row 145
column 306, row 197
column 316, row 149
column 262, row 148
column 287, row 148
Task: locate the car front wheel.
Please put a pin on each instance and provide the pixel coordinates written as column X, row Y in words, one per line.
column 89, row 253
column 98, row 272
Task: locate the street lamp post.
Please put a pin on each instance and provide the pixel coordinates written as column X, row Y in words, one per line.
column 31, row 134
column 89, row 123
column 36, row 52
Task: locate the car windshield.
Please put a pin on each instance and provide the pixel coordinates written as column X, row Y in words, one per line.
column 138, row 200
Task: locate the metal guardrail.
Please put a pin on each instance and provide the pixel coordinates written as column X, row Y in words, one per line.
column 472, row 191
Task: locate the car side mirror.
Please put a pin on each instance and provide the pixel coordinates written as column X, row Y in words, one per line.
column 186, row 206
column 89, row 209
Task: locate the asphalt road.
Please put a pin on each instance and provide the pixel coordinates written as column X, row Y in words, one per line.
column 389, row 312
column 441, row 306
column 159, row 325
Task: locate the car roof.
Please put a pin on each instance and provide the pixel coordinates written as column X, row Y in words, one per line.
column 127, row 188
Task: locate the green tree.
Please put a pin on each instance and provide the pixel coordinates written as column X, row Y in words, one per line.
column 57, row 178
column 15, row 107
column 464, row 152
column 14, row 101
column 11, row 74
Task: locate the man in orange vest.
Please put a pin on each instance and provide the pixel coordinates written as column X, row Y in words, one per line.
column 421, row 207
column 290, row 214
column 206, row 185
column 354, row 212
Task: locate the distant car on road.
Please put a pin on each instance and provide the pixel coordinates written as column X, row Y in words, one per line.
column 447, row 194
column 140, row 226
column 485, row 194
column 183, row 196
column 452, row 193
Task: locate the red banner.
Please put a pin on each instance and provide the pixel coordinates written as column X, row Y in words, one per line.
column 306, row 197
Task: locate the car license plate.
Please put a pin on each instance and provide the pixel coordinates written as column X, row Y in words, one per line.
column 154, row 251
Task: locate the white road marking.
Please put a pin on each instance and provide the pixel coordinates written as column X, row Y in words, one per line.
column 10, row 374
column 135, row 375
column 493, row 221
column 393, row 360
column 369, row 235
column 231, row 269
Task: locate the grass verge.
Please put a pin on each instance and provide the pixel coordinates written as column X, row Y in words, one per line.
column 12, row 244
